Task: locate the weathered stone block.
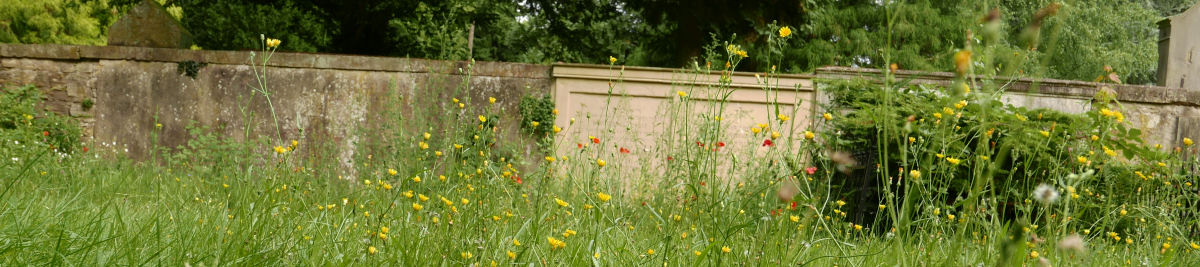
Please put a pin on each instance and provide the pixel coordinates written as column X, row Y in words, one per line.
column 149, row 25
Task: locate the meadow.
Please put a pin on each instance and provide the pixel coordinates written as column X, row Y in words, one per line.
column 890, row 173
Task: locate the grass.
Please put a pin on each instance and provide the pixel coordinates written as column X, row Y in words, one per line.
column 441, row 187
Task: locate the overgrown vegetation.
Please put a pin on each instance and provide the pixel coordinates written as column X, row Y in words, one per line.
column 933, row 175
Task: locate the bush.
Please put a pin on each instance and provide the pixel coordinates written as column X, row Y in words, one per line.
column 22, row 120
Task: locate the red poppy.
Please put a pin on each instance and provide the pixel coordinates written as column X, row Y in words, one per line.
column 517, row 178
column 624, row 150
column 702, row 183
column 720, row 144
column 768, row 143
column 810, row 170
column 46, row 133
column 793, row 205
column 699, row 144
column 670, row 158
column 85, row 149
column 595, row 140
column 580, row 145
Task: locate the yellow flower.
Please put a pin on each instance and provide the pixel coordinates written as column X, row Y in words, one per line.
column 650, row 252
column 962, row 61
column 953, row 161
column 785, row 32
column 603, row 197
column 555, row 243
column 1194, row 245
column 755, row 130
column 1045, row 133
column 371, row 249
column 828, row 117
column 612, row 60
column 466, row 255
column 1187, row 141
column 774, row 135
column 858, row 227
column 681, row 93
column 417, row 179
column 417, row 207
column 30, row 117
column 783, row 117
column 809, row 135
column 600, row 162
column 881, row 206
column 534, row 123
column 491, row 100
column 560, row 202
column 915, row 174
column 937, row 115
column 392, row 172
column 511, row 255
column 557, row 129
column 382, row 236
column 795, row 218
column 516, row 243
column 726, row 249
column 950, row 216
column 272, row 43
column 482, row 118
column 1033, row 254
column 550, row 159
column 1081, row 159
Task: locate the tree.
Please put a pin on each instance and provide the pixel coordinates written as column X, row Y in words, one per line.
column 55, row 21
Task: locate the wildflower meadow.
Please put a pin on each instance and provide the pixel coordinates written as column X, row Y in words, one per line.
column 889, row 172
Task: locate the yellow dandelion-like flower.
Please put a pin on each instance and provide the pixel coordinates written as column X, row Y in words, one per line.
column 511, row 255
column 550, row 159
column 681, row 93
column 1194, row 245
column 417, row 179
column 726, row 249
column 782, row 117
column 392, row 172
column 785, row 31
column 516, row 243
column 915, row 174
column 555, row 243
column 491, row 100
column 937, row 115
column 1033, row 254
column 482, row 118
column 272, row 43
column 809, row 135
column 612, row 60
column 560, row 202
column 795, row 218
column 600, row 163
column 603, row 197
column 1187, row 141
column 755, row 130
column 417, row 206
column 953, row 161
column 534, row 124
column 1081, row 159
column 775, row 135
column 1045, row 133
column 828, row 117
column 650, row 252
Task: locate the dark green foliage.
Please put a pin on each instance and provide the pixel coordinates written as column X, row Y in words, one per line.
column 240, row 25
column 540, row 110
column 189, row 68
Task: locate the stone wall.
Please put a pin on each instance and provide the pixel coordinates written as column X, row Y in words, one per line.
column 318, row 98
column 330, row 99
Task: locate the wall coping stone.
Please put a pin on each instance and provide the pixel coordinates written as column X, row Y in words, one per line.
column 1148, row 94
column 279, row 59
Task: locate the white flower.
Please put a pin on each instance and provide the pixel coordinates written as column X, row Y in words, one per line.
column 1045, row 193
